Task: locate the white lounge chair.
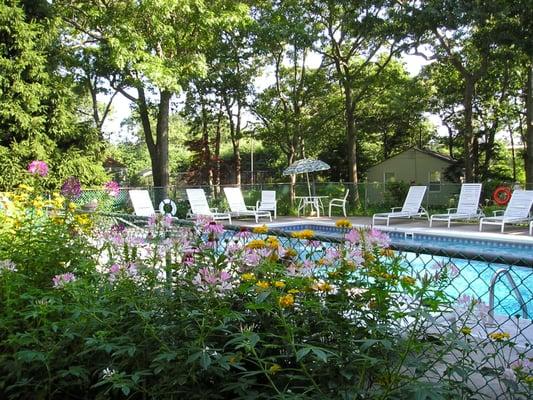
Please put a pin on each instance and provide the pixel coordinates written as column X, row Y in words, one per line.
column 412, row 206
column 467, row 207
column 268, row 202
column 200, row 206
column 517, row 211
column 339, row 203
column 531, row 228
column 238, row 207
column 142, row 203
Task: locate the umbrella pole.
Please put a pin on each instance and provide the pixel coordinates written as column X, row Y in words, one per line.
column 308, row 184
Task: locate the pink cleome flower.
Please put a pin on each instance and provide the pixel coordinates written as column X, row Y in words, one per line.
column 352, row 237
column 112, row 188
column 37, row 167
column 378, row 238
column 59, row 281
column 71, row 188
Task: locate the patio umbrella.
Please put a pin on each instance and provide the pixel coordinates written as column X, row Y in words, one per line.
column 305, row 166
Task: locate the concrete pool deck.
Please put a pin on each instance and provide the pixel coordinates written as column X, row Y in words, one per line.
column 513, row 233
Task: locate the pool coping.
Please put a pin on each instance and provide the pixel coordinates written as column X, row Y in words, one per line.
column 417, row 230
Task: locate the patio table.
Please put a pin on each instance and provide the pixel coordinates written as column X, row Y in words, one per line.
column 315, row 202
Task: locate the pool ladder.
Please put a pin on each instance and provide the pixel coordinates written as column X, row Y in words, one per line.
column 514, row 288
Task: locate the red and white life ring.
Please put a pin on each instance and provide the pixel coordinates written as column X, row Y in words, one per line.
column 502, row 195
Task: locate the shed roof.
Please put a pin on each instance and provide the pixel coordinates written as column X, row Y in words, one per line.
column 424, row 151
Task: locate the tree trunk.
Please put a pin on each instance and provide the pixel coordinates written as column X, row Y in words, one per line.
column 158, row 148
column 206, row 150
column 513, row 153
column 468, row 133
column 351, row 141
column 161, row 177
column 529, row 129
column 217, row 152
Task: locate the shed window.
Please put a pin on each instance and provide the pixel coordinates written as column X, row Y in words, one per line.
column 434, row 181
column 389, row 177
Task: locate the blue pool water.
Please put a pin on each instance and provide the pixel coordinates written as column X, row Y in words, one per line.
column 474, row 276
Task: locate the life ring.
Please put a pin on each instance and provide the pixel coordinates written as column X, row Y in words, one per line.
column 163, row 207
column 501, row 195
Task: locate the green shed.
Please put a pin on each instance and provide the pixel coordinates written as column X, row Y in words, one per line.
column 420, row 167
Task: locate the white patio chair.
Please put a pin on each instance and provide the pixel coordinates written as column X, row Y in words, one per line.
column 142, row 203
column 517, row 211
column 339, row 203
column 412, row 206
column 238, row 207
column 200, row 206
column 467, row 207
column 531, row 228
column 268, row 202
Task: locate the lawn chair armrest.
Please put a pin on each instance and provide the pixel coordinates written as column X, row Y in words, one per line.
column 253, row 208
column 498, row 212
column 214, row 209
column 450, row 210
column 393, row 209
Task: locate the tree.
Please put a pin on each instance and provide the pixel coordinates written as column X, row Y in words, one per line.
column 37, row 102
column 151, row 49
column 353, row 33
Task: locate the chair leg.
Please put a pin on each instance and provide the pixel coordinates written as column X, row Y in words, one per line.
column 329, row 213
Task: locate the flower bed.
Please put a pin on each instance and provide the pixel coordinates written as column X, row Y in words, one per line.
column 95, row 311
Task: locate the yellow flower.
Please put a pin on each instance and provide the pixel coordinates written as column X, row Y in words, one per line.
column 38, row 202
column 274, row 369
column 323, row 286
column 529, row 379
column 387, row 253
column 256, row 244
column 260, row 229
column 499, row 336
column 290, row 252
column 25, row 187
column 343, row 223
column 466, row 331
column 279, row 284
column 286, row 301
column 262, row 284
column 304, row 234
column 249, row 276
column 294, row 291
column 369, row 257
column 272, row 242
column 72, row 206
column 82, row 219
column 408, row 280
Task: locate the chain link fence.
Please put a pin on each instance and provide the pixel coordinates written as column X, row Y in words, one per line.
column 372, row 196
column 490, row 300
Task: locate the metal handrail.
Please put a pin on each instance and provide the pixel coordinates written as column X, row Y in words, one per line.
column 514, row 289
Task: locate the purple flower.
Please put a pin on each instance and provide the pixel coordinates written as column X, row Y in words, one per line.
column 252, row 258
column 59, row 281
column 213, row 228
column 352, row 237
column 112, row 188
column 37, row 167
column 465, row 300
column 378, row 238
column 71, row 188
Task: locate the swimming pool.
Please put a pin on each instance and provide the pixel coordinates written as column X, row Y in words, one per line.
column 474, row 277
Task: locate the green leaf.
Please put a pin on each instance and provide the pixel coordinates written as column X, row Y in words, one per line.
column 302, row 353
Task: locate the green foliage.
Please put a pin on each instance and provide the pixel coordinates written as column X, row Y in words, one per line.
column 36, row 105
column 196, row 312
